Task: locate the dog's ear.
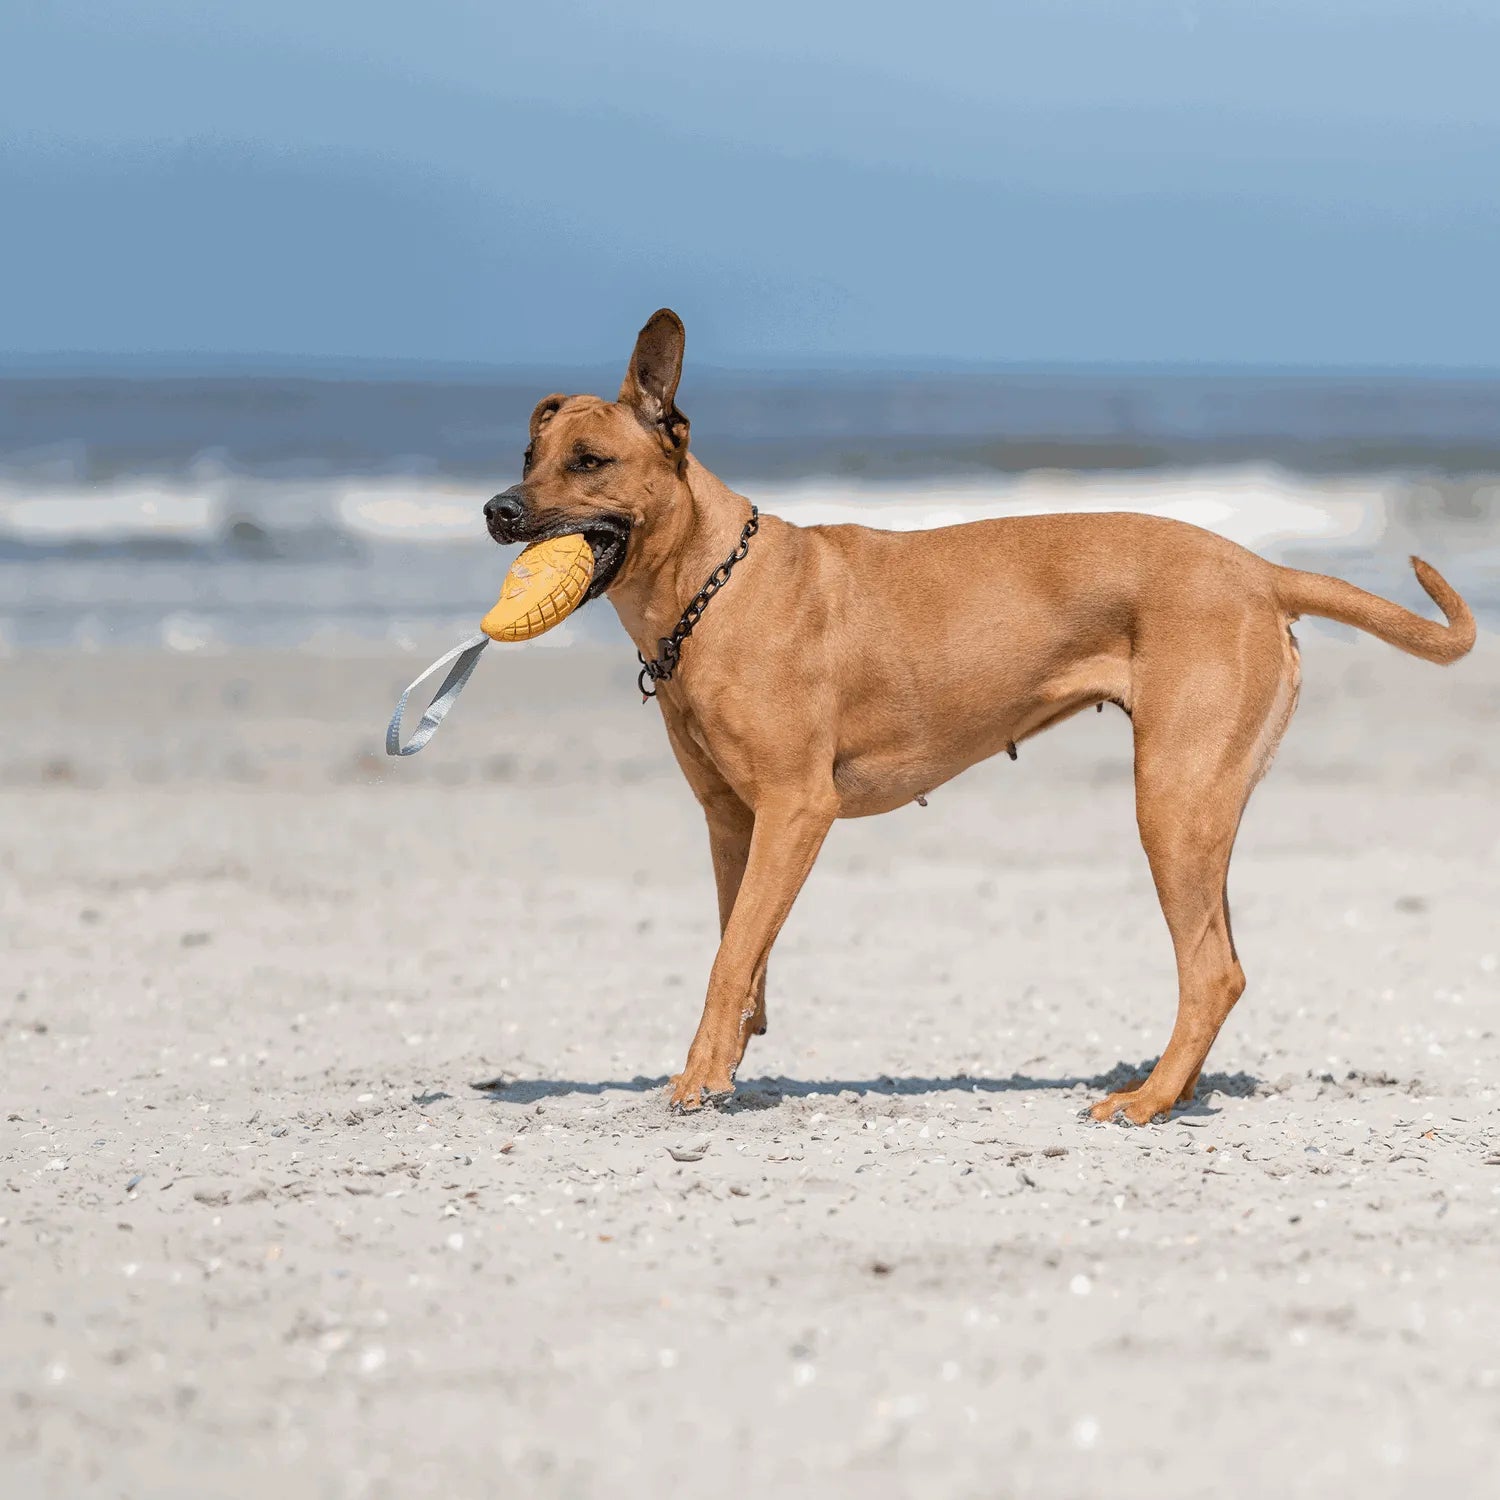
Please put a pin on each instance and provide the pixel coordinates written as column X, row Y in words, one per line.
column 547, row 408
column 650, row 384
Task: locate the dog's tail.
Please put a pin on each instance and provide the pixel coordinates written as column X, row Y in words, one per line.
column 1333, row 599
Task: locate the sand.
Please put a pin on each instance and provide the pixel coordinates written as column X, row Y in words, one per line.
column 260, row 1236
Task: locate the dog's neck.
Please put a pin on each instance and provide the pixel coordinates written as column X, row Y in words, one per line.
column 675, row 558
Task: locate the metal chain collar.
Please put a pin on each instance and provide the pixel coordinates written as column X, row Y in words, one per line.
column 669, row 648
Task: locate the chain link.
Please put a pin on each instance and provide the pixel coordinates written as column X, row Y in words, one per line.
column 669, row 648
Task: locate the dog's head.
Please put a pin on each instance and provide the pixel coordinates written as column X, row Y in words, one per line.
column 607, row 469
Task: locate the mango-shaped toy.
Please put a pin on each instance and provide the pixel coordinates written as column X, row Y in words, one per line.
column 546, row 583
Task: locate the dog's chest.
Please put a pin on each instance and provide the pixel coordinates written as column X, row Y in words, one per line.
column 719, row 748
column 690, row 727
column 691, row 736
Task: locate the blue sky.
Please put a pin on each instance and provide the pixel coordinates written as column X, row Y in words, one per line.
column 1262, row 182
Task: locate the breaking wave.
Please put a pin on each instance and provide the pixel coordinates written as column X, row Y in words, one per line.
column 218, row 560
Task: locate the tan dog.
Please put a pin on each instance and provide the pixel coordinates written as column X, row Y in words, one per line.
column 796, row 702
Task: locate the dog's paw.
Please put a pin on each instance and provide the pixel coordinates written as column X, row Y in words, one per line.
column 692, row 1089
column 1138, row 1106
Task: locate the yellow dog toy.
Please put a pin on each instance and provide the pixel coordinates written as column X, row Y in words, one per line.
column 546, row 583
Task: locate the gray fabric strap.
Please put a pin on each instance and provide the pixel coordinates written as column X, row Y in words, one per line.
column 464, row 657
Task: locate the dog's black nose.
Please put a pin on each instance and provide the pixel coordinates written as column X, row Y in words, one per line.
column 507, row 508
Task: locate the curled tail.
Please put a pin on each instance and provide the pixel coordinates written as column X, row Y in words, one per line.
column 1333, row 599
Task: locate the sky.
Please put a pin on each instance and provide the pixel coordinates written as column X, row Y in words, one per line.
column 1054, row 182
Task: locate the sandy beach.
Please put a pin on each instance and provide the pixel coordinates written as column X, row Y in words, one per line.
column 259, row 1233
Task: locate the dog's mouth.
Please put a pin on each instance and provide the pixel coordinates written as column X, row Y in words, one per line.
column 608, row 537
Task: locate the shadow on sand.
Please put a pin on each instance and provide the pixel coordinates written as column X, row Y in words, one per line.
column 768, row 1092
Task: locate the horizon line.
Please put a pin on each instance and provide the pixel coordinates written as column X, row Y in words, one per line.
column 250, row 364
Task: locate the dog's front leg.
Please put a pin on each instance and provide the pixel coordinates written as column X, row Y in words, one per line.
column 730, row 825
column 788, row 832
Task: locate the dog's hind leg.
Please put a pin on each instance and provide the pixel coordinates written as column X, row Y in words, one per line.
column 1204, row 733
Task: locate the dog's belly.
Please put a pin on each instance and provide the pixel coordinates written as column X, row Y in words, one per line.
column 890, row 758
column 879, row 782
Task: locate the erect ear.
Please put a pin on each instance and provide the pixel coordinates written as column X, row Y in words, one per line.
column 546, row 409
column 650, row 384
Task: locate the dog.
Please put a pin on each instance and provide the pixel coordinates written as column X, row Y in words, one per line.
column 791, row 701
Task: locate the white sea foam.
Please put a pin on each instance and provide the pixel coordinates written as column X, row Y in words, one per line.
column 1257, row 506
column 107, row 514
column 403, row 509
column 217, row 560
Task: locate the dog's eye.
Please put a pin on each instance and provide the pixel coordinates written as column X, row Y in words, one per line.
column 526, row 459
column 586, row 463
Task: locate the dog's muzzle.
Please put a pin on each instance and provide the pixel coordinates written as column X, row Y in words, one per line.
column 510, row 519
column 505, row 515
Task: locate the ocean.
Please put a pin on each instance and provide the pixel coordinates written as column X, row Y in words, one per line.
column 339, row 510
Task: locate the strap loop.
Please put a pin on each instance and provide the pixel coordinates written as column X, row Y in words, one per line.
column 464, row 657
